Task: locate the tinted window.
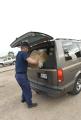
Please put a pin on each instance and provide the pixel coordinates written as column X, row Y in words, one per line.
column 71, row 50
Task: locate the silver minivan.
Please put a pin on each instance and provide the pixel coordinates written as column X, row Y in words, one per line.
column 61, row 72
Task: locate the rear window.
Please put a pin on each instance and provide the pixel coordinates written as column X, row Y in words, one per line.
column 71, row 50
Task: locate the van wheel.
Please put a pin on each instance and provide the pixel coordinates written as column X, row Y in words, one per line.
column 77, row 87
column 1, row 65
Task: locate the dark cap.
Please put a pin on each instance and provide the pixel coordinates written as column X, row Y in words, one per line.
column 25, row 44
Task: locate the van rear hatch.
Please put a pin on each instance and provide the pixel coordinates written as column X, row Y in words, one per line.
column 47, row 75
column 32, row 38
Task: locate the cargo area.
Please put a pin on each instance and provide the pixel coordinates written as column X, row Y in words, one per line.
column 45, row 73
column 45, row 53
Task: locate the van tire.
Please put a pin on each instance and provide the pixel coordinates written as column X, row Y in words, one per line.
column 1, row 64
column 77, row 87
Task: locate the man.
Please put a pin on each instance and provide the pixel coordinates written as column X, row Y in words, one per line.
column 22, row 60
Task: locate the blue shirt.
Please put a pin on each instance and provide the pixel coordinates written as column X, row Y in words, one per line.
column 21, row 63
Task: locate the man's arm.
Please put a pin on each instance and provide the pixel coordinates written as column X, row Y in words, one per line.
column 32, row 61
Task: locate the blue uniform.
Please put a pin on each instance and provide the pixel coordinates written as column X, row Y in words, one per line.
column 21, row 76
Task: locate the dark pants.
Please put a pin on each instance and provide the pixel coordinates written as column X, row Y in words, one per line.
column 23, row 81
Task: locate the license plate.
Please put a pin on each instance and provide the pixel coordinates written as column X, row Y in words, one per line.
column 44, row 76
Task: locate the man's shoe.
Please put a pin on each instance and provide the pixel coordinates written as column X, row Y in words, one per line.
column 32, row 105
column 22, row 100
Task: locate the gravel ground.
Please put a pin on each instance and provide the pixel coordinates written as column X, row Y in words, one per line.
column 64, row 108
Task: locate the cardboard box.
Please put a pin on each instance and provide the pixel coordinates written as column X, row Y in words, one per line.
column 39, row 55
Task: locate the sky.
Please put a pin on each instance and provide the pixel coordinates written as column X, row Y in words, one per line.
column 58, row 18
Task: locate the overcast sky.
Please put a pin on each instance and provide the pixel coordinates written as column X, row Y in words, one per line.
column 58, row 18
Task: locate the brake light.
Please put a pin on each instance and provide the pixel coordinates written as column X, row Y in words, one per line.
column 60, row 75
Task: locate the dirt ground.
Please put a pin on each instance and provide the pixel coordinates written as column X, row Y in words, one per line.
column 64, row 108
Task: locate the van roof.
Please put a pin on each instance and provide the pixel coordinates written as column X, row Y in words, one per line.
column 67, row 39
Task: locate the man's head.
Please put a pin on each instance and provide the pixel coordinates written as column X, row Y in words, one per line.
column 25, row 46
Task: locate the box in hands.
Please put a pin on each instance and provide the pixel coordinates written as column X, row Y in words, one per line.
column 39, row 55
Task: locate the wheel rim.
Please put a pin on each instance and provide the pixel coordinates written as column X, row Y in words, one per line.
column 78, row 85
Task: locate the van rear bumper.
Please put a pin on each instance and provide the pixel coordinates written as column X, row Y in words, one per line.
column 54, row 91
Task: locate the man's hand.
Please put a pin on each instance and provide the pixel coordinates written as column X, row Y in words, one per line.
column 32, row 61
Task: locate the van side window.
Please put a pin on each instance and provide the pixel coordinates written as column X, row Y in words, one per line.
column 71, row 50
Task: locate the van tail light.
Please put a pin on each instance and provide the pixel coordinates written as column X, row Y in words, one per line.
column 60, row 75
